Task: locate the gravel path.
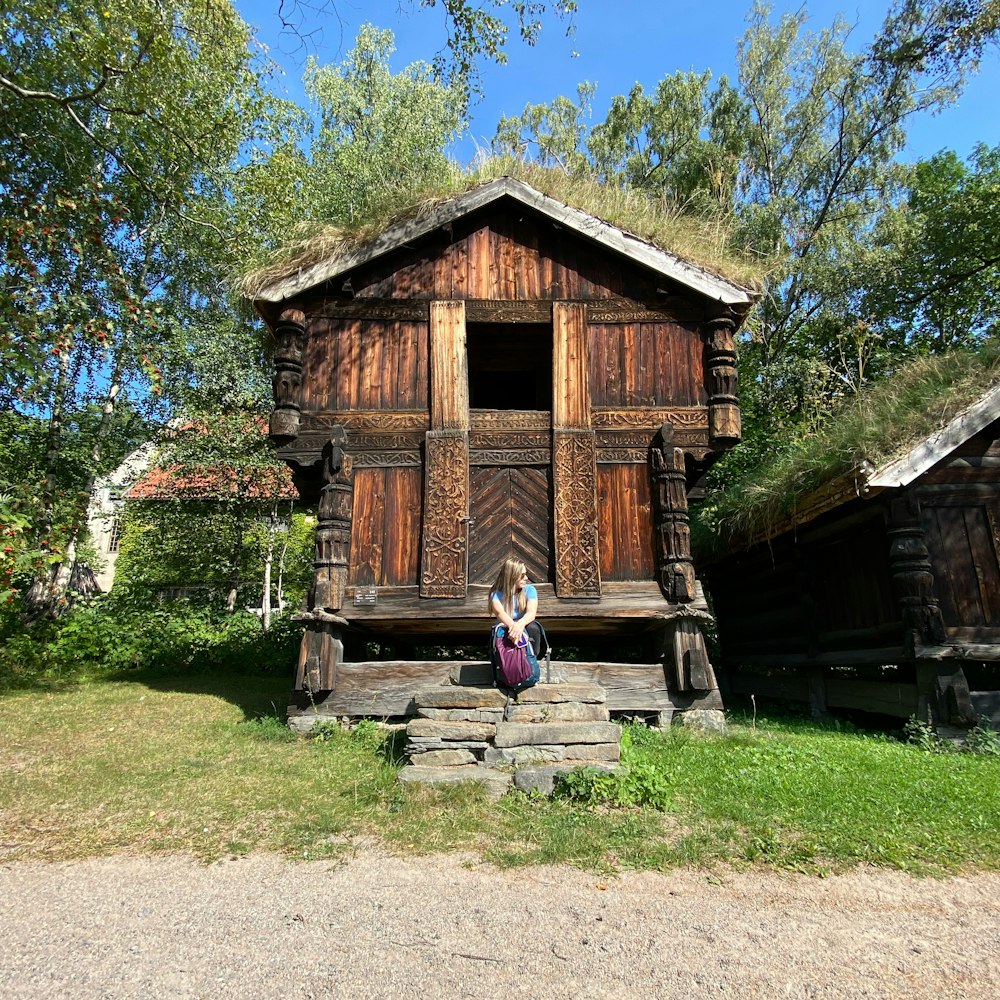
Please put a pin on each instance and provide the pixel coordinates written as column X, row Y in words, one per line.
column 378, row 926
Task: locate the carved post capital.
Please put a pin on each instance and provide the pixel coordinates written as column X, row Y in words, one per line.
column 724, row 421
column 289, row 354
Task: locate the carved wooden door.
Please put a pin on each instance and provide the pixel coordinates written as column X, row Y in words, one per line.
column 511, row 512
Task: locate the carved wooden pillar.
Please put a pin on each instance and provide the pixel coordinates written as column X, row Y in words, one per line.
column 444, row 554
column 574, row 457
column 912, row 578
column 333, row 528
column 942, row 687
column 322, row 648
column 724, row 425
column 675, row 566
column 290, row 334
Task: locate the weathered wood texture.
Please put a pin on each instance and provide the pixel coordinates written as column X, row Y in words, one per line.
column 645, row 364
column 386, row 527
column 511, row 514
column 387, row 688
column 366, row 365
column 491, row 256
column 625, row 524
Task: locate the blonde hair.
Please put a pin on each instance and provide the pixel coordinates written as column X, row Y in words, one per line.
column 506, row 583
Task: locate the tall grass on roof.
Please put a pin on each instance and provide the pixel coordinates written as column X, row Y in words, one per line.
column 704, row 241
column 878, row 426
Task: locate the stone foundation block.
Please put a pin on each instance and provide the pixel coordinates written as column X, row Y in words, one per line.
column 564, row 711
column 451, row 696
column 444, row 758
column 450, row 730
column 513, row 734
column 423, row 745
column 590, row 752
column 549, row 693
column 703, row 718
column 523, row 755
column 493, row 715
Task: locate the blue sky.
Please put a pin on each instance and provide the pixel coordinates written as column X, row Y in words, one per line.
column 617, row 44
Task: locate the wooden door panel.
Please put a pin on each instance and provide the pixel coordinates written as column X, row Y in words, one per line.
column 511, row 511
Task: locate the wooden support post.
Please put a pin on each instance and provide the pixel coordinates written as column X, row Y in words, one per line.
column 675, row 566
column 290, row 334
column 912, row 578
column 724, row 423
column 445, row 543
column 322, row 648
column 943, row 697
column 333, row 528
column 574, row 457
column 688, row 666
column 817, row 692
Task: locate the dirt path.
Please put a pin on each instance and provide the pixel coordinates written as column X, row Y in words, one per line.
column 377, row 926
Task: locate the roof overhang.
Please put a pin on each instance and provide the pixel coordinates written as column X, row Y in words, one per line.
column 603, row 233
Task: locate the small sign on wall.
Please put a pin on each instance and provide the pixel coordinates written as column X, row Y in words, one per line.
column 365, row 597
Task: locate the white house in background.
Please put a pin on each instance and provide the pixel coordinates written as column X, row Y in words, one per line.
column 104, row 516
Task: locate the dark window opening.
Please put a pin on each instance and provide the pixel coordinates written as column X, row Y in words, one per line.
column 510, row 366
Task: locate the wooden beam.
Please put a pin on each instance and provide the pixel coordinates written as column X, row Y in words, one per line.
column 449, row 367
column 574, row 452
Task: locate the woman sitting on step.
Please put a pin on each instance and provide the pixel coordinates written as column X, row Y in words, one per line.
column 514, row 602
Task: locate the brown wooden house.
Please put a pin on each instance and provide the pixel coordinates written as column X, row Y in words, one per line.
column 502, row 375
column 882, row 592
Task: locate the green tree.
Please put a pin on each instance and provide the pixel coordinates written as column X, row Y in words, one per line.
column 378, row 134
column 929, row 280
column 120, row 128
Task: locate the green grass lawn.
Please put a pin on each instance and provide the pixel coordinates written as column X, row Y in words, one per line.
column 204, row 764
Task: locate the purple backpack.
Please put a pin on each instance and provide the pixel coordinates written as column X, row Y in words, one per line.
column 514, row 666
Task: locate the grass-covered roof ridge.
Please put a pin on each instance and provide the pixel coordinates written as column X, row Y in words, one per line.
column 703, row 241
column 874, row 427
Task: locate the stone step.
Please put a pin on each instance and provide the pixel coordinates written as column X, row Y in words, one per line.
column 453, row 696
column 443, row 730
column 522, row 755
column 560, row 711
column 513, row 734
column 496, row 783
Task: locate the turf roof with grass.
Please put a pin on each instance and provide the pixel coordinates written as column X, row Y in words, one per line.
column 865, row 433
column 706, row 242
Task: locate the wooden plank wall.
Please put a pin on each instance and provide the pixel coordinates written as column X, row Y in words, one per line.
column 385, row 531
column 828, row 589
column 625, row 522
column 366, row 365
column 645, row 364
column 493, row 257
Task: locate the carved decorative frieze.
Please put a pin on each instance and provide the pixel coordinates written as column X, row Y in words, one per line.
column 387, row 459
column 507, row 311
column 446, row 515
column 652, row 417
column 510, row 420
column 289, row 352
column 333, row 527
column 510, row 440
column 376, row 421
column 399, row 310
column 514, row 456
column 675, row 566
column 622, row 456
column 574, row 474
column 720, row 381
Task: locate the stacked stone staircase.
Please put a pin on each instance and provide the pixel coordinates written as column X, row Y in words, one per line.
column 482, row 734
